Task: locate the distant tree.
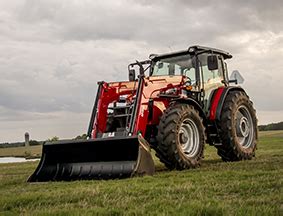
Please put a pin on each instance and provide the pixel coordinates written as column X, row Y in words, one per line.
column 272, row 126
column 83, row 136
column 34, row 142
column 53, row 139
column 261, row 127
column 20, row 144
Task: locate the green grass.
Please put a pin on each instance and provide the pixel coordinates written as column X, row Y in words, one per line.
column 217, row 188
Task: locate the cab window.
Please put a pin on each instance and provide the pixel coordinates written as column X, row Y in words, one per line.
column 179, row 65
column 210, row 76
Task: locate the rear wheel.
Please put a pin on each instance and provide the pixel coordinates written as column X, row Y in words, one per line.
column 180, row 137
column 238, row 128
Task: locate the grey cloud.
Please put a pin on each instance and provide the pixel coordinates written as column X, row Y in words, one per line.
column 9, row 115
column 52, row 52
column 160, row 21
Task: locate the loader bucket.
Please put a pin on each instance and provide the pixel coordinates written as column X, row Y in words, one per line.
column 102, row 158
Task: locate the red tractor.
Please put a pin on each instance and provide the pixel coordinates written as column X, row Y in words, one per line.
column 178, row 102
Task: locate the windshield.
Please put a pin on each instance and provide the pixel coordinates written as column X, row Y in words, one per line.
column 179, row 65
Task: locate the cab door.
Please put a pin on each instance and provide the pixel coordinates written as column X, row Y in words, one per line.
column 210, row 79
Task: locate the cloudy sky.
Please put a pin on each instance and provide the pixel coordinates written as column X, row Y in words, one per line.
column 52, row 53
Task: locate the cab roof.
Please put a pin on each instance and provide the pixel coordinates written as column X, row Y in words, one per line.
column 193, row 50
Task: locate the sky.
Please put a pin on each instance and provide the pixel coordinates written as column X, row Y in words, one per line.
column 53, row 53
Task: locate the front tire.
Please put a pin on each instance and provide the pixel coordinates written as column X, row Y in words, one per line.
column 238, row 128
column 181, row 137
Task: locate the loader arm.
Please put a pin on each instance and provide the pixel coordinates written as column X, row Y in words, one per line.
column 137, row 94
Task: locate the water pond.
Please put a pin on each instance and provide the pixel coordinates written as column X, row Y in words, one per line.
column 15, row 159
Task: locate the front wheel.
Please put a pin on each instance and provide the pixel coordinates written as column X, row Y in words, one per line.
column 238, row 128
column 181, row 137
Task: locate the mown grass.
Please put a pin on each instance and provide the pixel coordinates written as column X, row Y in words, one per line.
column 217, row 188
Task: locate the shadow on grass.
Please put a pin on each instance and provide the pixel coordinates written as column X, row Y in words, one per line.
column 160, row 168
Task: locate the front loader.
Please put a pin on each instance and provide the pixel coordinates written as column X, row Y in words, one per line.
column 178, row 102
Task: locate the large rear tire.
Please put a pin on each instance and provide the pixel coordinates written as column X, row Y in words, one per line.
column 181, row 137
column 238, row 128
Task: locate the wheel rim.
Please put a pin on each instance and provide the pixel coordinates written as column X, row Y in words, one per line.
column 189, row 138
column 244, row 127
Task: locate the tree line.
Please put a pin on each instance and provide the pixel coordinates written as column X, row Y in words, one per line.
column 19, row 144
column 272, row 126
column 35, row 142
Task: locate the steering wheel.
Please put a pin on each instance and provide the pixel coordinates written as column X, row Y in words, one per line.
column 188, row 81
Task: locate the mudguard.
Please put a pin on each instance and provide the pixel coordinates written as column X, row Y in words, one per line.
column 218, row 100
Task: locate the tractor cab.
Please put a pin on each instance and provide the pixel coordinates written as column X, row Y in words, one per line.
column 203, row 68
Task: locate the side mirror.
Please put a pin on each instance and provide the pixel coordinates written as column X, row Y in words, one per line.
column 132, row 75
column 212, row 62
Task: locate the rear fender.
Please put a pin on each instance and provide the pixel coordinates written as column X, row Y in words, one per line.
column 218, row 100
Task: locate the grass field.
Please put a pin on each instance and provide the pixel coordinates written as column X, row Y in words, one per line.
column 31, row 151
column 217, row 188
